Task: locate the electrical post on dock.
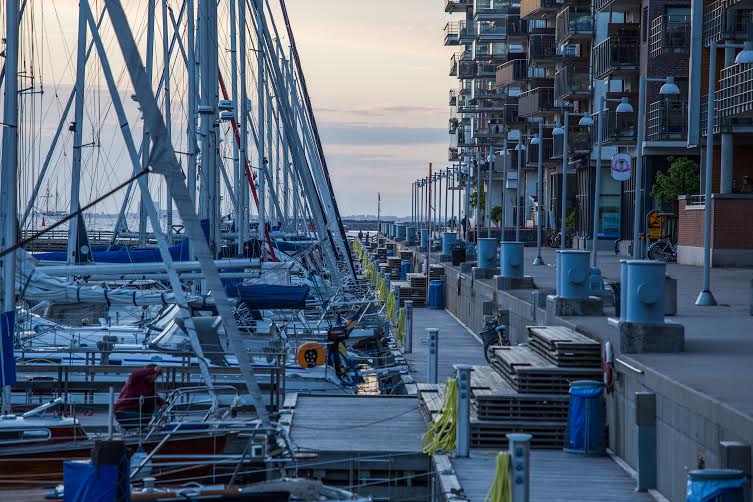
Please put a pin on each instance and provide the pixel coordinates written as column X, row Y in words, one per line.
column 408, row 335
column 463, row 424
column 519, row 446
column 432, row 370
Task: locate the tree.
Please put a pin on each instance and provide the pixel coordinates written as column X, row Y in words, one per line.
column 682, row 178
column 497, row 214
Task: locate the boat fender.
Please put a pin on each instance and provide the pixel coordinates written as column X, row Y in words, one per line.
column 310, row 355
column 608, row 368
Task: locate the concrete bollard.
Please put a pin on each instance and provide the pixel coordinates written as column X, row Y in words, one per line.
column 424, row 237
column 463, row 425
column 645, row 420
column 519, row 446
column 408, row 328
column 448, row 239
column 410, row 235
column 432, row 366
column 574, row 272
column 736, row 455
column 647, row 282
column 623, row 289
column 511, row 260
column 487, row 253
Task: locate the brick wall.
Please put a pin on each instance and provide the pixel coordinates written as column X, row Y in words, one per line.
column 731, row 216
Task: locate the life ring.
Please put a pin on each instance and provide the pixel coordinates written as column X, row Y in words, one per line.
column 310, row 355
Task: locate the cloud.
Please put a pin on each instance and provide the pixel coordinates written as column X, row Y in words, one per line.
column 334, row 133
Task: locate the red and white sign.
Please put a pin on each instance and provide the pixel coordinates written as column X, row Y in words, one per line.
column 622, row 167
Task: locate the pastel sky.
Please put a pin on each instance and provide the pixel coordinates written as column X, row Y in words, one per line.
column 377, row 74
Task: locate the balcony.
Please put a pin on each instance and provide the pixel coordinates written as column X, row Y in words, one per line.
column 466, row 32
column 726, row 123
column 579, row 141
column 539, row 102
column 453, row 154
column 617, row 5
column 726, row 20
column 491, row 32
column 452, row 6
column 537, row 8
column 573, row 23
column 492, row 10
column 668, row 120
column 453, row 97
column 617, row 54
column 572, row 82
column 532, row 153
column 735, row 94
column 670, row 34
column 618, row 128
column 542, row 49
column 452, row 34
column 462, row 66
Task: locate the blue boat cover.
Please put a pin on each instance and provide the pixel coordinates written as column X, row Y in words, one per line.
column 7, row 325
column 85, row 482
column 269, row 296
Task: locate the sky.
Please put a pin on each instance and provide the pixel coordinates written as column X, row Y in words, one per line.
column 378, row 77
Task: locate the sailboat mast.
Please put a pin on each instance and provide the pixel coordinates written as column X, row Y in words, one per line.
column 261, row 106
column 168, row 109
column 9, row 196
column 243, row 191
column 145, row 149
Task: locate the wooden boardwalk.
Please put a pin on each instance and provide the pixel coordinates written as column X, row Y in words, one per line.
column 456, row 344
column 555, row 476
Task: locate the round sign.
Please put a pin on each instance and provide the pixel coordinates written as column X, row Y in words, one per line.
column 622, row 167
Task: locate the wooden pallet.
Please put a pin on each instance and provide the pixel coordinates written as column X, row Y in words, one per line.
column 429, row 399
column 495, row 399
column 529, row 373
column 493, row 434
column 564, row 347
column 406, row 255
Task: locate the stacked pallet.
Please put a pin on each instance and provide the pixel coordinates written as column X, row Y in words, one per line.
column 406, row 255
column 564, row 347
column 414, row 289
column 393, row 267
column 381, row 254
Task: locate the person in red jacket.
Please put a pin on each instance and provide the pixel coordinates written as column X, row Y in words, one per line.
column 138, row 400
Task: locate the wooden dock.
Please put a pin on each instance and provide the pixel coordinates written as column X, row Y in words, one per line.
column 555, row 476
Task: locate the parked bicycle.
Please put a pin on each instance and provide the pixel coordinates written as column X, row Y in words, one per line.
column 493, row 334
column 663, row 250
column 554, row 239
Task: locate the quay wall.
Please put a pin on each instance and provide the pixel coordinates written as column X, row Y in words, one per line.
column 690, row 424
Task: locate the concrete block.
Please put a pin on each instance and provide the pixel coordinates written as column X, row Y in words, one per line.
column 467, row 267
column 643, row 338
column 445, row 258
column 607, row 297
column 506, row 283
column 571, row 307
column 484, row 273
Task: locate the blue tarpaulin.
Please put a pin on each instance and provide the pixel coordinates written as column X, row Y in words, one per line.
column 586, row 418
column 268, row 296
column 7, row 323
column 179, row 252
column 85, row 482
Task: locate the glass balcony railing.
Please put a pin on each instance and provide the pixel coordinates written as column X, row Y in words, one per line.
column 532, row 153
column 537, row 7
column 542, row 47
column 726, row 20
column 488, row 30
column 670, row 34
column 668, row 120
column 579, row 142
column 571, row 81
column 617, row 54
column 573, row 23
column 618, row 128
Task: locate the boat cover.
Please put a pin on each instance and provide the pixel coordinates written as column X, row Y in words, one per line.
column 269, row 296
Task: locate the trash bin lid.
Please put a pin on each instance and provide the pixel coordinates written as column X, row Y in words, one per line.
column 715, row 474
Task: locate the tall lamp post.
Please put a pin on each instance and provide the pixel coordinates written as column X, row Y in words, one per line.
column 538, row 141
column 490, row 163
column 669, row 88
column 520, row 148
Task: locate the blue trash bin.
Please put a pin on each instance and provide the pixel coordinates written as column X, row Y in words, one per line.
column 586, row 418
column 436, row 295
column 406, row 267
column 716, row 485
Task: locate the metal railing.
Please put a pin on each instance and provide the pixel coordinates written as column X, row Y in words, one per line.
column 542, row 47
column 511, row 72
column 573, row 22
column 457, row 5
column 735, row 94
column 490, row 30
column 617, row 53
column 670, row 34
column 579, row 140
column 532, row 153
column 452, row 34
column 725, row 20
column 539, row 101
column 572, row 80
column 618, row 128
column 723, row 123
column 466, row 31
column 668, row 120
column 453, row 97
column 605, row 5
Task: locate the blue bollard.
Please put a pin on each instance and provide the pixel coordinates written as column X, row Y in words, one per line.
column 410, row 234
column 424, row 237
column 487, row 253
column 448, row 239
column 511, row 260
column 647, row 280
column 623, row 289
column 406, row 267
column 574, row 271
column 400, row 232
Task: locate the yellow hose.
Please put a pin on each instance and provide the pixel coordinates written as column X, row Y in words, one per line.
column 400, row 331
column 441, row 432
column 500, row 491
column 391, row 306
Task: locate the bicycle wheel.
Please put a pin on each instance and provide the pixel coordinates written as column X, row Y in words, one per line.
column 660, row 251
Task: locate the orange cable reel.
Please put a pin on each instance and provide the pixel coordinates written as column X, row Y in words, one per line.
column 310, row 355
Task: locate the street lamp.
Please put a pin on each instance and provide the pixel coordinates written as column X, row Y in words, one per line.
column 563, row 131
column 490, row 162
column 520, row 148
column 668, row 88
column 538, row 141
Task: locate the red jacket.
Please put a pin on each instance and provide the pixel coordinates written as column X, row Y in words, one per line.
column 140, row 383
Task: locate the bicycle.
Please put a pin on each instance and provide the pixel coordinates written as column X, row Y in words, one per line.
column 493, row 334
column 663, row 250
column 555, row 239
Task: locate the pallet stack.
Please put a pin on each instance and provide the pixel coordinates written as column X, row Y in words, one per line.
column 381, row 254
column 526, row 389
column 406, row 255
column 393, row 267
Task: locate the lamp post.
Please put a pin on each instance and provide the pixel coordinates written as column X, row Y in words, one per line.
column 669, row 88
column 490, row 163
column 539, row 142
column 520, row 148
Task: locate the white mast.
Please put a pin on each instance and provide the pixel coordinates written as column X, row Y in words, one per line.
column 243, row 189
column 168, row 109
column 145, row 149
column 262, row 101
